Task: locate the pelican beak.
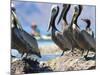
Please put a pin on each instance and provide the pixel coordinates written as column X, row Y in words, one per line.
column 51, row 20
column 49, row 28
column 50, row 24
column 54, row 14
column 62, row 13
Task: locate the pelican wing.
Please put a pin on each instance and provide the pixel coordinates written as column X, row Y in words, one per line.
column 30, row 40
column 89, row 38
column 65, row 43
column 17, row 34
column 17, row 41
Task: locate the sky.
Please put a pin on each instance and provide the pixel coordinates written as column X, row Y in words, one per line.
column 39, row 13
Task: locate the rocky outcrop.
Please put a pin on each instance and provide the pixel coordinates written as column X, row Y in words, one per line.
column 72, row 62
column 68, row 62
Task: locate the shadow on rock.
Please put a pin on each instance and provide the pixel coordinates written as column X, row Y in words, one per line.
column 33, row 67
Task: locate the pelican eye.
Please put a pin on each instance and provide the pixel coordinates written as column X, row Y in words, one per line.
column 54, row 10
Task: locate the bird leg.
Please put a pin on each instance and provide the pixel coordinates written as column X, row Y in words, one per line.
column 72, row 50
column 86, row 55
column 24, row 56
column 62, row 53
column 82, row 52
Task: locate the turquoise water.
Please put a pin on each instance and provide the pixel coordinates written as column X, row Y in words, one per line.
column 45, row 42
column 48, row 57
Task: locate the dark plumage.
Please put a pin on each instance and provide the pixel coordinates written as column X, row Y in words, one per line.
column 21, row 40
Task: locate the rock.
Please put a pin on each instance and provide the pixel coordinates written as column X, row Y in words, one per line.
column 72, row 62
column 17, row 67
column 68, row 62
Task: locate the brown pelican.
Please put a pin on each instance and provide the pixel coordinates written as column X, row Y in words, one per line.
column 57, row 36
column 21, row 40
column 88, row 29
column 82, row 38
column 67, row 29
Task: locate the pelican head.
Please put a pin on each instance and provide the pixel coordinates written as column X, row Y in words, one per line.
column 13, row 7
column 64, row 12
column 77, row 12
column 54, row 13
column 88, row 22
column 80, row 8
column 88, row 29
